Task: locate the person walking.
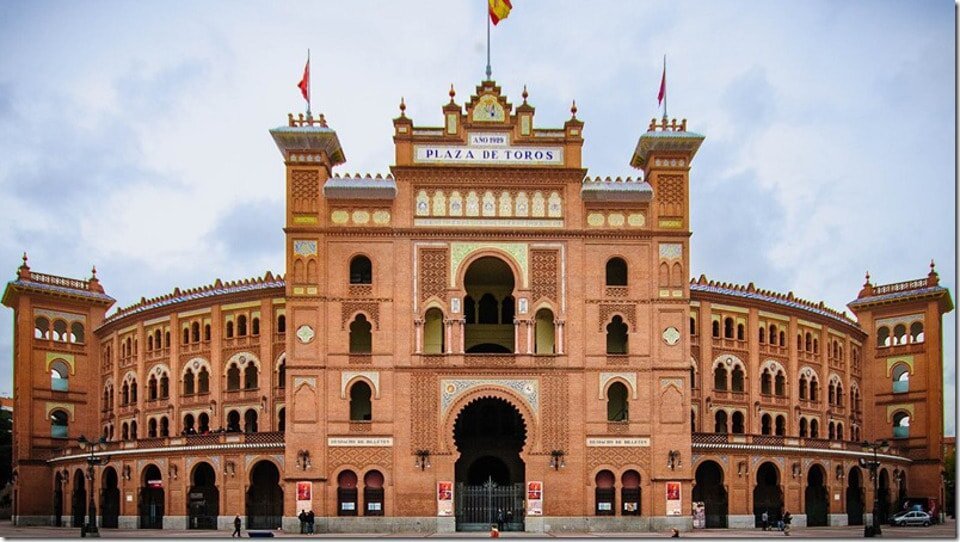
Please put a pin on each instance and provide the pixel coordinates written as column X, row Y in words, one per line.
column 787, row 518
column 500, row 519
column 303, row 521
column 311, row 521
column 236, row 527
column 765, row 520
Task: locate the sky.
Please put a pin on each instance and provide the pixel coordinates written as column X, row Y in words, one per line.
column 134, row 136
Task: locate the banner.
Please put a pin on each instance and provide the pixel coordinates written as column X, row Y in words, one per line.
column 673, row 499
column 699, row 515
column 444, row 498
column 304, row 496
column 534, row 498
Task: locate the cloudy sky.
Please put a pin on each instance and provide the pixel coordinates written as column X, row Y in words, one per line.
column 134, row 137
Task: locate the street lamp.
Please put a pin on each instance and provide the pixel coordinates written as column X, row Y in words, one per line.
column 90, row 529
column 874, row 466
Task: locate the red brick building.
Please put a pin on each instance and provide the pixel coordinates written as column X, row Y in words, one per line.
column 487, row 329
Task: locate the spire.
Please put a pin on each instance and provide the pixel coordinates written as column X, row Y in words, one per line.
column 573, row 109
column 24, row 271
column 933, row 278
column 403, row 108
column 452, row 93
column 525, row 94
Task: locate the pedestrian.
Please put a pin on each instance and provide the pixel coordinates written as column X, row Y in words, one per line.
column 509, row 518
column 303, row 521
column 500, row 518
column 675, row 533
column 765, row 520
column 787, row 518
column 311, row 521
column 236, row 526
column 494, row 532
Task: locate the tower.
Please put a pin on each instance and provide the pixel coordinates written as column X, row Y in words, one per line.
column 664, row 154
column 55, row 377
column 903, row 372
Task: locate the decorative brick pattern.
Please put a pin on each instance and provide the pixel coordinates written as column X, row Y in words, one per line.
column 304, row 190
column 617, row 457
column 349, row 308
column 434, row 269
column 556, row 401
column 628, row 310
column 361, row 457
column 543, row 267
column 424, row 405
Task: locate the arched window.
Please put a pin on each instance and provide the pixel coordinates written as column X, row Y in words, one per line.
column 469, row 310
column 149, row 343
column 900, row 334
column 618, row 407
column 59, row 376
column 883, row 337
column 41, row 328
column 544, row 331
column 124, row 431
column 720, row 422
column 916, row 332
column 720, row 378
column 737, row 425
column 831, row 393
column 251, row 377
column 195, row 331
column 736, row 379
column 233, row 377
column 233, row 422
column 693, row 421
column 715, row 329
column 164, row 386
column 361, row 270
column 282, row 419
column 206, row 332
column 158, row 339
column 281, row 324
column 781, row 426
column 189, row 425
column 133, row 430
column 780, row 384
column 799, row 342
column 814, row 429
column 616, row 272
column 783, row 339
column 617, row 336
column 728, row 328
column 803, row 427
column 347, row 493
column 831, row 431
column 241, row 326
column 59, row 424
column 203, row 423
column 59, row 330
column 765, row 424
column 740, row 332
column 901, row 378
column 507, row 310
column 814, row 389
column 360, row 405
column 762, row 335
column 203, row 381
column 152, row 388
column 808, row 342
column 433, row 333
column 839, row 396
column 250, row 421
column 373, row 493
column 255, row 326
column 164, row 427
column 816, row 346
column 76, row 332
column 630, row 493
column 152, row 428
column 361, row 340
column 605, row 493
column 766, row 382
column 133, row 391
column 282, row 374
column 803, row 387
column 488, row 313
column 186, row 335
column 693, row 326
column 124, row 394
column 189, row 387
column 229, row 329
column 840, row 431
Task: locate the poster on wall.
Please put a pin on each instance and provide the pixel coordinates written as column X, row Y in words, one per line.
column 444, row 498
column 673, row 499
column 534, row 498
column 304, row 496
column 699, row 515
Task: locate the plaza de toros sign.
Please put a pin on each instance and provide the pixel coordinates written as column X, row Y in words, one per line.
column 488, row 149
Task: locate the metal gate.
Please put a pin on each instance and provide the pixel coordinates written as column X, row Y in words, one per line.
column 479, row 507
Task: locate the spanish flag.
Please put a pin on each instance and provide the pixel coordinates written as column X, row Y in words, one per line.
column 499, row 9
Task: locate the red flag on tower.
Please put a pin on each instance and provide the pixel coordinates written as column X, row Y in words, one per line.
column 304, row 84
column 663, row 83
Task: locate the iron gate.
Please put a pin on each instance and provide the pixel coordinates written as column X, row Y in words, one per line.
column 479, row 507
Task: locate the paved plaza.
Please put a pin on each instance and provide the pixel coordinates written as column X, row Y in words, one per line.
column 946, row 530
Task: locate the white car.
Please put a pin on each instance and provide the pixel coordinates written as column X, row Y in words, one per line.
column 911, row 518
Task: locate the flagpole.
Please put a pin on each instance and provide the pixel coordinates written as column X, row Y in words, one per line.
column 489, row 71
column 664, row 89
column 309, row 85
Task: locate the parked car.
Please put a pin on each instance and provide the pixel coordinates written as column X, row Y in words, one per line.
column 913, row 517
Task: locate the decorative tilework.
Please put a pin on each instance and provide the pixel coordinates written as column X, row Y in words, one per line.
column 528, row 389
column 671, row 251
column 305, row 248
column 460, row 251
column 347, row 376
column 631, row 379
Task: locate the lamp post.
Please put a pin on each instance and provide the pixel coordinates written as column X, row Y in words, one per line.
column 874, row 466
column 90, row 529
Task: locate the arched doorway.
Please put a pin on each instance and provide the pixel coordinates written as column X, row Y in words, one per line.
column 78, row 500
column 883, row 495
column 855, row 497
column 816, row 500
column 489, row 307
column 767, row 495
column 630, row 493
column 712, row 493
column 110, row 499
column 203, row 503
column 151, row 499
column 489, row 434
column 58, row 500
column 264, row 498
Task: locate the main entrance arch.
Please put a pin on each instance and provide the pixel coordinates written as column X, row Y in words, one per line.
column 855, row 497
column 110, row 499
column 203, row 503
column 712, row 493
column 489, row 434
column 264, row 497
column 767, row 495
column 816, row 501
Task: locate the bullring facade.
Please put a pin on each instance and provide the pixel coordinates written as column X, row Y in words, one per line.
column 486, row 328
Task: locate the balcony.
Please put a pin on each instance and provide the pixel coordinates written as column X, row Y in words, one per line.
column 246, row 341
column 837, row 410
column 808, row 356
column 157, row 354
column 708, row 439
column 195, row 399
column 900, row 349
column 773, row 350
column 360, row 359
column 770, row 399
column 729, row 395
column 241, row 396
column 127, row 361
column 729, row 344
column 126, row 410
column 618, row 359
column 195, row 347
column 269, row 437
column 360, row 290
column 616, row 291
